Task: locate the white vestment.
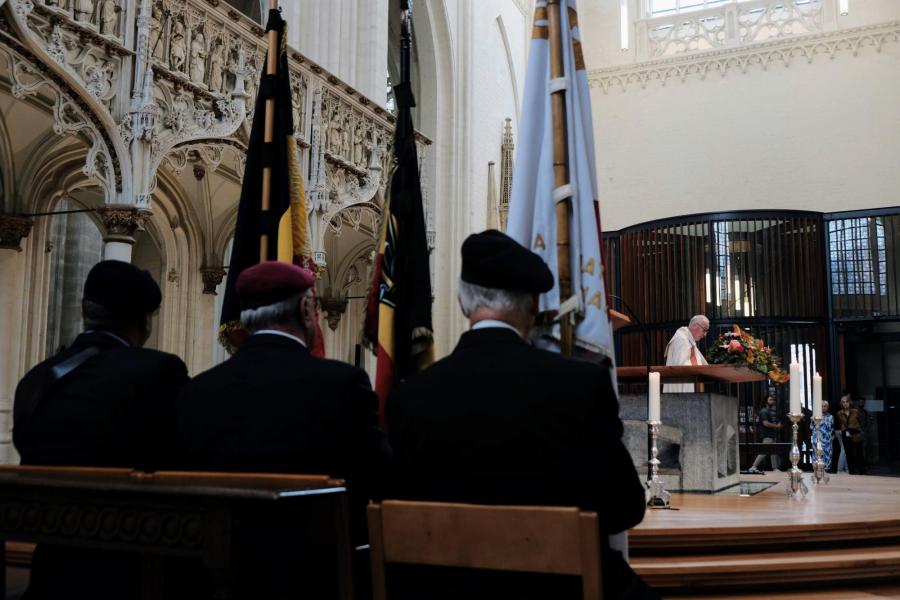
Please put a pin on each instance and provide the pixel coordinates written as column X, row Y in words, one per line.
column 678, row 353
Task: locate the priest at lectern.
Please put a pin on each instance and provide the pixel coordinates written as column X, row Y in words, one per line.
column 682, row 350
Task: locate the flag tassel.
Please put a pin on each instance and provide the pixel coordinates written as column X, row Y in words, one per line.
column 561, row 174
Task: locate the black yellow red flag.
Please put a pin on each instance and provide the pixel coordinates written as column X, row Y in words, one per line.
column 398, row 314
column 286, row 221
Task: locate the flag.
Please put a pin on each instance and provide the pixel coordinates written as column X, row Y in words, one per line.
column 532, row 213
column 398, row 313
column 286, row 222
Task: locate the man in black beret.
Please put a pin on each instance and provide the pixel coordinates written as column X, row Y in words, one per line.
column 107, row 402
column 272, row 407
column 501, row 422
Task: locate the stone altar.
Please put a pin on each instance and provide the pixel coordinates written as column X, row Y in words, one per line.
column 698, row 445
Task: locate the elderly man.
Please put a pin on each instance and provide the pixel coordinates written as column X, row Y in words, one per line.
column 501, row 422
column 272, row 407
column 682, row 350
column 106, row 402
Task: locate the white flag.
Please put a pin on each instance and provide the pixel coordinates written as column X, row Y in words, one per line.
column 532, row 214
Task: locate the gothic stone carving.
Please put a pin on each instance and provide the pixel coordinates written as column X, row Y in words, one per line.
column 333, row 308
column 761, row 55
column 212, row 277
column 71, row 116
column 122, row 222
column 778, row 20
column 13, row 230
column 83, row 37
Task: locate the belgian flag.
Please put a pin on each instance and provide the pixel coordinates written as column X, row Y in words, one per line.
column 285, row 224
column 398, row 314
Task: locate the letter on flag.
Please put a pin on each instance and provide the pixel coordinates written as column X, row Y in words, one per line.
column 532, row 215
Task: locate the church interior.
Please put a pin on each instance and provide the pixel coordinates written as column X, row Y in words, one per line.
column 746, row 165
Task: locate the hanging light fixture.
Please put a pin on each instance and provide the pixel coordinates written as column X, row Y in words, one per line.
column 844, row 7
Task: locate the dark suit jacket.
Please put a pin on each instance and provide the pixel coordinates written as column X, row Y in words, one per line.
column 114, row 410
column 274, row 408
column 500, row 422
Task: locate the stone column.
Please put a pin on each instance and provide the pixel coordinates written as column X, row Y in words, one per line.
column 13, row 230
column 372, row 49
column 348, row 53
column 121, row 222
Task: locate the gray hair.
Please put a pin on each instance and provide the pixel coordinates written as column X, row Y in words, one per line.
column 699, row 320
column 472, row 297
column 283, row 312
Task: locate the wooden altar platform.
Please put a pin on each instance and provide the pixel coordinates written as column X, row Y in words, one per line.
column 844, row 532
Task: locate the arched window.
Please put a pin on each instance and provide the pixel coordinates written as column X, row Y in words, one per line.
column 75, row 246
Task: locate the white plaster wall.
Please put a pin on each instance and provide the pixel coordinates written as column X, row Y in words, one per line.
column 817, row 135
column 470, row 84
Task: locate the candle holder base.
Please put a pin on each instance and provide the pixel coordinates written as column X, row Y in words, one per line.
column 656, row 495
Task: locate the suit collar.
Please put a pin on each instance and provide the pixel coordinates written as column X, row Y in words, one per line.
column 490, row 335
column 269, row 340
column 101, row 339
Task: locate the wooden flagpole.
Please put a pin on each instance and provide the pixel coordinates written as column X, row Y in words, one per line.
column 561, row 174
column 269, row 133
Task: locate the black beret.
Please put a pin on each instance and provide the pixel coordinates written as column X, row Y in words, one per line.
column 124, row 290
column 493, row 259
column 270, row 282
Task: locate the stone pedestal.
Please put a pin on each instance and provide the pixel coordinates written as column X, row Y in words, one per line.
column 699, row 439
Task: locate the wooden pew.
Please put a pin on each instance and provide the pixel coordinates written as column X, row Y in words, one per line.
column 166, row 514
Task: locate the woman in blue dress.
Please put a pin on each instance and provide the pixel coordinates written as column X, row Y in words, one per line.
column 826, row 429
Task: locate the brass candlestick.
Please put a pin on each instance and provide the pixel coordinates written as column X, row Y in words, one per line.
column 819, row 464
column 796, row 485
column 657, row 496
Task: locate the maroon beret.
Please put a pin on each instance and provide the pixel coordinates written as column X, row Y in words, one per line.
column 270, row 282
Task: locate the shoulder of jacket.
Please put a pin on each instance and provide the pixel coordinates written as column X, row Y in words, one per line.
column 151, row 355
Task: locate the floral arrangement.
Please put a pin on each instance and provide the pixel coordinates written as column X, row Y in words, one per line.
column 737, row 347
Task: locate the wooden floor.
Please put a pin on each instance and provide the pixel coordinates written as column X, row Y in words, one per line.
column 873, row 592
column 844, row 532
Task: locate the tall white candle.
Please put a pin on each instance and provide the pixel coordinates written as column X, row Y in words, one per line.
column 817, row 396
column 795, row 388
column 653, row 408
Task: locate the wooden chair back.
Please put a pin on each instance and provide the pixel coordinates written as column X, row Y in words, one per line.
column 538, row 539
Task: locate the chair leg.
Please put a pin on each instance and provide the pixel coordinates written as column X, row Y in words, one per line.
column 591, row 578
column 376, row 552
